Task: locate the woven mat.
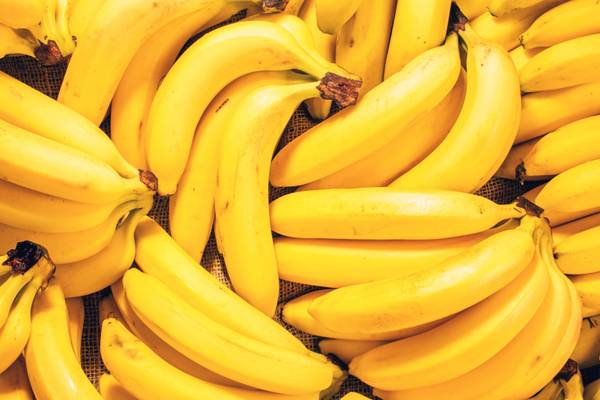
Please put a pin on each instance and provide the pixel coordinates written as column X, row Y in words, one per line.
column 48, row 80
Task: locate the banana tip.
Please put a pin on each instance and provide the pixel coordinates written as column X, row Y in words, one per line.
column 48, row 54
column 24, row 256
column 343, row 91
column 149, row 179
column 270, row 6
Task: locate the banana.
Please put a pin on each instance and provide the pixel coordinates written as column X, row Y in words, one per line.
column 340, row 263
column 418, row 297
column 588, row 287
column 13, row 43
column 107, row 308
column 503, row 7
column 552, row 391
column 569, row 20
column 571, row 381
column 512, row 167
column 465, row 160
column 187, row 91
column 183, row 329
column 574, row 190
column 591, row 390
column 293, row 7
column 410, row 146
column 76, row 313
column 570, row 63
column 562, row 232
column 472, row 8
column 10, row 289
column 332, row 15
column 354, row 396
column 461, row 344
column 147, row 376
column 25, row 107
column 92, row 274
column 95, row 69
column 111, row 389
column 544, row 112
column 521, row 56
column 557, row 218
column 419, row 25
column 587, row 351
column 14, row 384
column 346, row 350
column 81, row 15
column 49, row 345
column 152, row 61
column 356, row 132
column 578, row 254
column 22, row 13
column 385, row 214
column 159, row 256
column 60, row 170
column 295, row 313
column 588, row 312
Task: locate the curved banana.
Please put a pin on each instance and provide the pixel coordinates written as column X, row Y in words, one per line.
column 552, row 391
column 419, row 25
column 558, row 218
column 296, row 373
column 588, row 287
column 25, row 107
column 147, row 376
column 49, row 345
column 332, row 15
column 340, row 263
column 60, row 170
column 111, row 389
column 107, row 308
column 345, row 349
column 578, row 254
column 544, row 112
column 512, row 167
column 466, row 160
column 10, row 289
column 21, row 13
column 569, row 20
column 293, row 7
column 295, row 313
column 587, row 351
column 92, row 274
column 410, row 146
column 461, row 344
column 13, row 43
column 591, row 391
column 14, row 384
column 76, row 313
column 81, row 15
column 501, row 8
column 572, row 387
column 564, row 231
column 159, row 256
column 385, row 213
column 361, row 308
column 358, row 131
column 472, row 8
column 521, row 56
column 563, row 65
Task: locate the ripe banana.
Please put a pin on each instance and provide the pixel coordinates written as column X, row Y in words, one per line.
column 13, row 43
column 472, row 8
column 159, row 256
column 569, row 20
column 293, row 7
column 107, row 308
column 521, row 56
column 187, row 91
column 346, row 350
column 466, row 159
column 76, row 313
column 60, row 170
column 111, row 389
column 185, row 327
column 578, row 254
column 340, row 263
column 419, row 25
column 576, row 189
column 332, row 15
column 571, row 381
column 14, row 384
column 295, row 313
column 562, row 232
column 356, row 132
column 587, row 352
column 49, row 345
column 588, row 287
column 563, row 65
column 94, row 273
column 10, row 289
column 147, row 376
column 503, row 7
column 22, row 13
column 544, row 112
column 354, row 396
column 512, row 167
column 557, row 218
column 461, row 344
column 410, row 146
column 552, row 391
column 591, row 391
column 31, row 110
column 385, row 214
column 81, row 15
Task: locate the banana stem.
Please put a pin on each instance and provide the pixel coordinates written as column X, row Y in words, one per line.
column 24, row 256
column 343, row 91
column 271, row 6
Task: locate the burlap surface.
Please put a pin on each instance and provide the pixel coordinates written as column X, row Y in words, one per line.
column 48, row 80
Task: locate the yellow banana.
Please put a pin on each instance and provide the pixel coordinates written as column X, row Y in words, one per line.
column 14, row 384
column 472, row 8
column 12, row 42
column 81, row 15
column 31, row 110
column 49, row 345
column 521, row 56
column 461, row 344
column 466, row 159
column 295, row 313
column 159, row 256
column 354, row 396
column 111, row 389
column 544, row 112
column 587, row 351
column 552, row 391
column 92, row 274
column 360, row 308
column 187, row 91
column 332, row 15
column 340, row 263
column 147, row 376
column 358, row 131
column 57, row 169
column 107, row 308
column 293, row 7
column 557, row 218
column 564, row 231
column 10, row 289
column 256, row 362
column 588, row 287
column 578, row 254
column 346, row 350
column 21, row 13
column 76, row 313
column 569, row 20
column 419, row 25
column 563, row 65
column 503, row 7
column 512, row 167
column 591, row 391
column 385, row 213
column 588, row 312
column 571, row 381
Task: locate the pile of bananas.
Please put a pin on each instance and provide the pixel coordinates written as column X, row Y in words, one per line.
column 424, row 288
